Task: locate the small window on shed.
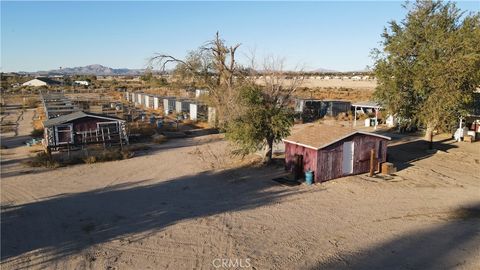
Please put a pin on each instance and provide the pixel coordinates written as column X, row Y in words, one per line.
column 64, row 134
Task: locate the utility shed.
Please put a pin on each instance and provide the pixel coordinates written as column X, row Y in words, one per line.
column 169, row 104
column 332, row 151
column 182, row 106
column 312, row 109
column 156, row 102
column 198, row 111
column 81, row 129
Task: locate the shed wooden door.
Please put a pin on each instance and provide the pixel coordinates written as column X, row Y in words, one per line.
column 347, row 161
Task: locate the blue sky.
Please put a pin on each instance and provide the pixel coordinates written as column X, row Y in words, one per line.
column 333, row 35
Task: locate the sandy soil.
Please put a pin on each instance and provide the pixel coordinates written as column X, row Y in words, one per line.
column 333, row 83
column 186, row 204
column 347, row 83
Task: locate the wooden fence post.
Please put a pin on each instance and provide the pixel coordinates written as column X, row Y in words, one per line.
column 372, row 162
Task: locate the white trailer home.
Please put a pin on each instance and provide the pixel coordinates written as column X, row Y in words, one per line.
column 156, row 101
column 198, row 111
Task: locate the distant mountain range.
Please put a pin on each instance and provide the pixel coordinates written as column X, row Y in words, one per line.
column 91, row 70
column 100, row 70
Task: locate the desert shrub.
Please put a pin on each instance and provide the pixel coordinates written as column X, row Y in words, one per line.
column 344, row 117
column 37, row 133
column 43, row 160
column 137, row 147
column 126, row 154
column 90, row 160
column 160, row 139
column 144, row 130
column 107, row 155
column 31, row 102
column 362, row 116
column 5, row 129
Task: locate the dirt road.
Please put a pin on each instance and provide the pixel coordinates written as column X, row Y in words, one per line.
column 185, row 206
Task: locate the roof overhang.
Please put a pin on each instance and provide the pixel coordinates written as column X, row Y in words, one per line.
column 337, row 140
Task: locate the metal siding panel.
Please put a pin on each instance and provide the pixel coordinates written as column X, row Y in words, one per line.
column 309, row 157
column 330, row 158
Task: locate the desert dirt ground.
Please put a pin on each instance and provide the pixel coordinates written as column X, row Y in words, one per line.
column 186, row 203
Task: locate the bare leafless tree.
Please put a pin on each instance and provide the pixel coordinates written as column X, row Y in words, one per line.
column 215, row 65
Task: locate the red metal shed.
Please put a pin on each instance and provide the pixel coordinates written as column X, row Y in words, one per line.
column 333, row 151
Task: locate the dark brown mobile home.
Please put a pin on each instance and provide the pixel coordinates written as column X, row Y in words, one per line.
column 79, row 129
column 333, row 151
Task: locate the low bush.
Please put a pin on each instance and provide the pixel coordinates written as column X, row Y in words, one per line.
column 159, row 139
column 144, row 130
column 108, row 155
column 42, row 159
column 37, row 133
column 31, row 102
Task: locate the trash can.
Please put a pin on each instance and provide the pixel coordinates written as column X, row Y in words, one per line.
column 159, row 123
column 308, row 177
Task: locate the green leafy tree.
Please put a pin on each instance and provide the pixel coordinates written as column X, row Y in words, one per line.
column 429, row 65
column 261, row 124
column 254, row 116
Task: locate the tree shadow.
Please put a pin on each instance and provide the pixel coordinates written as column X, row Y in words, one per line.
column 403, row 154
column 144, row 150
column 14, row 141
column 68, row 223
column 445, row 246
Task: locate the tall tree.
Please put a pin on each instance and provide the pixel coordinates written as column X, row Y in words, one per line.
column 214, row 65
column 429, row 65
column 267, row 114
column 253, row 114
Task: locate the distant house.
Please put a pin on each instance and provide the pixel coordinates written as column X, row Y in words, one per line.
column 366, row 107
column 332, row 151
column 198, row 111
column 41, row 82
column 86, row 83
column 312, row 109
column 81, row 128
column 200, row 92
column 169, row 104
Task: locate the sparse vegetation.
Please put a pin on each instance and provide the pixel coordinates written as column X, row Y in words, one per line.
column 31, row 102
column 428, row 68
column 37, row 133
column 42, row 159
column 143, row 130
column 159, row 139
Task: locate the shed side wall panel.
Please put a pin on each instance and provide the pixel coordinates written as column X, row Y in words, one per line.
column 329, row 160
column 309, row 157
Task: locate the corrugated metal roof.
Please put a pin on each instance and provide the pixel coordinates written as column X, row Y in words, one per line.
column 317, row 136
column 367, row 104
column 76, row 115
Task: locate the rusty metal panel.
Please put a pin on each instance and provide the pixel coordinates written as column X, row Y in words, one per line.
column 329, row 164
column 309, row 157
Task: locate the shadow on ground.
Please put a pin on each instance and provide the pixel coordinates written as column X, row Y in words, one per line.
column 68, row 223
column 446, row 246
column 403, row 154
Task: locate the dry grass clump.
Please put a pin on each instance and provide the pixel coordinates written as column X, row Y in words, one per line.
column 159, row 139
column 107, row 155
column 344, row 117
column 42, row 159
column 37, row 133
column 143, row 130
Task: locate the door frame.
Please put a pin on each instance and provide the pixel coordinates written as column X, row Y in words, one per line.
column 344, row 172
